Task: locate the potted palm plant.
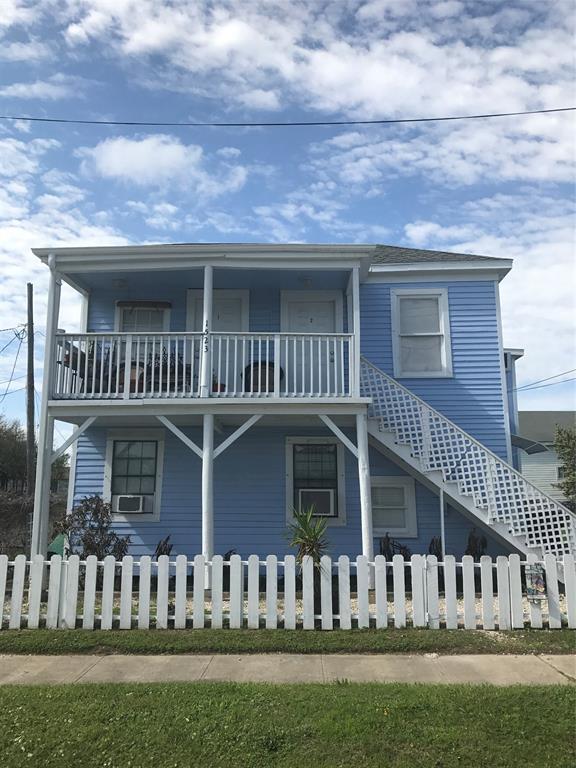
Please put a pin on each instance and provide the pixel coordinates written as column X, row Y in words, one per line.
column 307, row 533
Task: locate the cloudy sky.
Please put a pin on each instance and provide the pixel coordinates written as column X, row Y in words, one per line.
column 501, row 187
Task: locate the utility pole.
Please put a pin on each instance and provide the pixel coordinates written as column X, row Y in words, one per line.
column 30, row 441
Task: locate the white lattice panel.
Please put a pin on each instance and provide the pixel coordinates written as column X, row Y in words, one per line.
column 496, row 488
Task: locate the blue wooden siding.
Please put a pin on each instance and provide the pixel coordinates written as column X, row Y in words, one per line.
column 250, row 498
column 473, row 396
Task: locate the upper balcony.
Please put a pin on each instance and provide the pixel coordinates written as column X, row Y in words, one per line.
column 190, row 323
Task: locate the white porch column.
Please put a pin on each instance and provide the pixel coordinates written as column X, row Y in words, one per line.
column 355, row 367
column 364, row 481
column 39, row 543
column 206, row 368
column 208, row 486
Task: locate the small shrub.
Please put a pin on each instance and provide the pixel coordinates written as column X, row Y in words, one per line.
column 88, row 529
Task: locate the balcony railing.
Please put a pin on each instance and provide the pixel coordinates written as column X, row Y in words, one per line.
column 120, row 366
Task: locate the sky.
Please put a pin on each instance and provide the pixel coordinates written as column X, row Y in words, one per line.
column 501, row 187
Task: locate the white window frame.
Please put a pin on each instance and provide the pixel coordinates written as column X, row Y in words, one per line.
column 410, row 531
column 320, row 296
column 340, row 519
column 115, row 435
column 195, row 296
column 396, row 294
column 122, row 305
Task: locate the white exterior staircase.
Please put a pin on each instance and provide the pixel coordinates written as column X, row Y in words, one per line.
column 471, row 476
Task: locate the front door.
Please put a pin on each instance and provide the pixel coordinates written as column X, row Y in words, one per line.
column 310, row 357
column 229, row 316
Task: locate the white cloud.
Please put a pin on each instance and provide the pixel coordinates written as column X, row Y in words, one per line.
column 160, row 159
column 55, row 88
column 24, row 52
column 260, row 99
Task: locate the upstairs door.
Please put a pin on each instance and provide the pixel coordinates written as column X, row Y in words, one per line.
column 229, row 317
column 312, row 359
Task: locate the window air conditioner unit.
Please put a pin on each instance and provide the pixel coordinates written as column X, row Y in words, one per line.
column 322, row 499
column 130, row 504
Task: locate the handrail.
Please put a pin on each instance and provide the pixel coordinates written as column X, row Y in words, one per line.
column 529, row 490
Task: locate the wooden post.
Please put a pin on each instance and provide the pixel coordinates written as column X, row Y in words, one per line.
column 39, row 542
column 206, row 366
column 364, row 482
column 30, row 442
column 442, row 524
column 208, row 486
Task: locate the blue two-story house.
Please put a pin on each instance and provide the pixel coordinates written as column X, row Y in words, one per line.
column 216, row 388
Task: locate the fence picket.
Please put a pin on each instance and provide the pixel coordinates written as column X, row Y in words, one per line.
column 503, row 585
column 307, row 592
column 144, row 574
column 3, row 579
column 450, row 599
column 18, row 579
column 516, row 597
column 216, row 591
column 107, row 610
column 253, row 592
column 199, row 592
column 362, row 585
column 381, row 589
column 55, row 569
column 469, row 590
column 126, row 592
column 89, row 597
column 344, row 592
column 418, row 600
column 236, row 592
column 487, row 590
column 399, row 591
column 71, row 599
column 271, row 592
column 570, row 587
column 162, row 583
column 181, row 592
column 326, row 592
column 35, row 591
column 432, row 592
column 289, row 592
column 554, row 614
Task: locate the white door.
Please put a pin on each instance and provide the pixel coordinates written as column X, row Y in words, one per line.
column 310, row 359
column 229, row 316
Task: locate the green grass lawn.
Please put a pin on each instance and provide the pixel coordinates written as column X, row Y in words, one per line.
column 226, row 724
column 282, row 641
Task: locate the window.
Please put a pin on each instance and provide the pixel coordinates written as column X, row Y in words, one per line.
column 143, row 317
column 315, row 477
column 394, row 507
column 133, row 475
column 421, row 333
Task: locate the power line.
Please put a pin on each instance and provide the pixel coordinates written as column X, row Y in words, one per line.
column 288, row 124
column 15, row 328
column 21, row 337
column 547, row 379
column 14, row 378
column 12, row 391
column 12, row 340
column 552, row 384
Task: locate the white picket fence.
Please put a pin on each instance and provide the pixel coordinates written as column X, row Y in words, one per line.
column 278, row 594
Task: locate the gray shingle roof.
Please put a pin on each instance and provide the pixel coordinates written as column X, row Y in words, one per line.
column 396, row 254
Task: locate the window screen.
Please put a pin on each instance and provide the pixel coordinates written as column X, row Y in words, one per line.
column 315, row 467
column 421, row 338
column 134, row 467
column 389, row 507
column 142, row 319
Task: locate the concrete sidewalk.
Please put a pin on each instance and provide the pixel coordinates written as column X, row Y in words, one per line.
column 288, row 668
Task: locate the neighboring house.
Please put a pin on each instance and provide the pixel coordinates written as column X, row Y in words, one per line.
column 215, row 388
column 544, row 469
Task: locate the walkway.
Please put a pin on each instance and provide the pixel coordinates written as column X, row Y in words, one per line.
column 288, row 668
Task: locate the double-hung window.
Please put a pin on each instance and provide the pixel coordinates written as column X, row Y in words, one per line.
column 143, row 316
column 394, row 507
column 133, row 473
column 421, row 333
column 315, row 478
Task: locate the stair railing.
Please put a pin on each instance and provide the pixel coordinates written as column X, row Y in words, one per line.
column 439, row 444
